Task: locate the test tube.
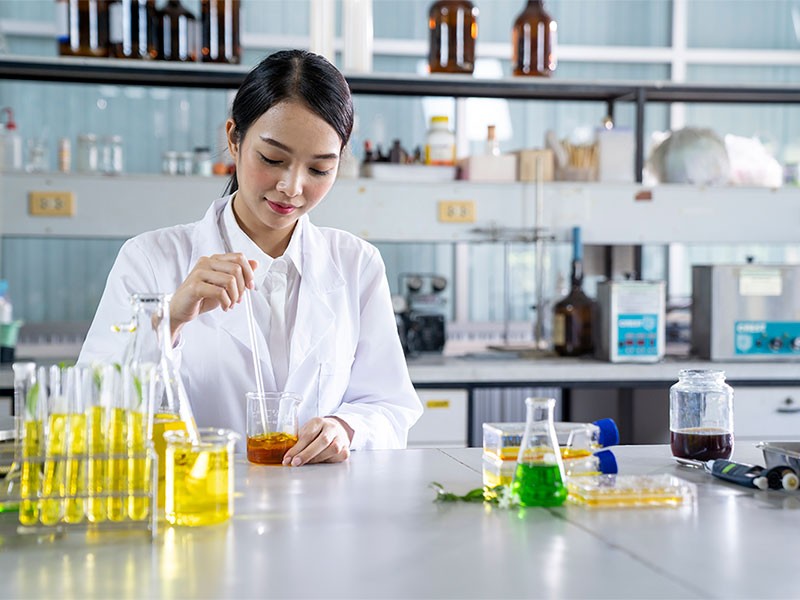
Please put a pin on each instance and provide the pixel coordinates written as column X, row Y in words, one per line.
column 116, row 445
column 96, row 444
column 137, row 385
column 34, row 411
column 75, row 476
column 54, row 483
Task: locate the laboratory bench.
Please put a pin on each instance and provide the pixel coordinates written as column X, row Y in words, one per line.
column 369, row 528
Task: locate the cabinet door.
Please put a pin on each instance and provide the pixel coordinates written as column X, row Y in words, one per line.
column 766, row 413
column 443, row 423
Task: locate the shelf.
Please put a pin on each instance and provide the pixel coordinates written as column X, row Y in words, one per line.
column 609, row 214
column 204, row 75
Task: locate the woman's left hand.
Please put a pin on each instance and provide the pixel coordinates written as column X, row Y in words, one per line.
column 325, row 439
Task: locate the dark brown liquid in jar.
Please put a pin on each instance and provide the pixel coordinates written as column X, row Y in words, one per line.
column 701, row 443
column 453, row 29
column 220, row 31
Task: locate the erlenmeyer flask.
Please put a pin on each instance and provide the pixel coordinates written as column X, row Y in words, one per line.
column 539, row 479
column 151, row 348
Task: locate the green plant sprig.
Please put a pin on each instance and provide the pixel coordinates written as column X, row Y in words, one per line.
column 500, row 495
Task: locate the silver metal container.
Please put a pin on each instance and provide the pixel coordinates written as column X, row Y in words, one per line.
column 631, row 321
column 781, row 453
column 746, row 312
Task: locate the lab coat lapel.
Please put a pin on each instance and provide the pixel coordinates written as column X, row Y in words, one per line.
column 207, row 241
column 319, row 281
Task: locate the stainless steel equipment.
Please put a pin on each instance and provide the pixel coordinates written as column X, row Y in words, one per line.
column 746, row 312
column 631, row 322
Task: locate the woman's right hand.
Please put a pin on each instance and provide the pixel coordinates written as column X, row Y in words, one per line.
column 215, row 281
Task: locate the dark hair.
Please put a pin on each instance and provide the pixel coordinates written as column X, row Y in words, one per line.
column 293, row 75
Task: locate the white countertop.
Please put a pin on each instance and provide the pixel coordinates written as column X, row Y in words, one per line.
column 369, row 528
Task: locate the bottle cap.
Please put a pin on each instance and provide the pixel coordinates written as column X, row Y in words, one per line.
column 790, row 482
column 606, row 462
column 3, row 287
column 761, row 482
column 609, row 434
column 440, row 119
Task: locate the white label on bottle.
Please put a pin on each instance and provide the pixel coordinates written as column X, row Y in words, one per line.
column 440, row 154
column 115, row 23
column 62, row 22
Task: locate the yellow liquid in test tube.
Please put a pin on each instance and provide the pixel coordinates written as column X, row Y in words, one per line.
column 31, row 473
column 163, row 422
column 76, row 472
column 53, row 487
column 117, row 474
column 96, row 471
column 200, row 494
column 138, row 468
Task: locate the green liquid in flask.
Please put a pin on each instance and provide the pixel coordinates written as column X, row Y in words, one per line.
column 539, row 485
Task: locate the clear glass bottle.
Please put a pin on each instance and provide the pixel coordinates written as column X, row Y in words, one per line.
column 219, row 24
column 132, row 29
column 539, row 479
column 151, row 346
column 177, row 38
column 453, row 30
column 533, row 41
column 573, row 315
column 87, row 28
column 701, row 415
column 88, row 158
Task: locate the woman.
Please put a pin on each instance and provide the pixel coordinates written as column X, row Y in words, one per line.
column 320, row 296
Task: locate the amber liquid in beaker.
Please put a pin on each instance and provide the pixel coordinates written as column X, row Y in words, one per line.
column 269, row 448
column 701, row 443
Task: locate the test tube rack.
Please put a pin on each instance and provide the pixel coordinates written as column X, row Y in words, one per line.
column 54, row 500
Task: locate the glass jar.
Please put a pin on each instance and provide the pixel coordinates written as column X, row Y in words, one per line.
column 701, row 415
column 88, row 155
column 111, row 159
column 453, row 30
column 177, row 36
column 202, row 161
column 533, row 41
column 132, row 29
column 169, row 163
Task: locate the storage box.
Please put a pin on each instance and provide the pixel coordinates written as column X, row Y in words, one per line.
column 489, row 168
column 616, row 149
column 528, row 169
column 408, row 173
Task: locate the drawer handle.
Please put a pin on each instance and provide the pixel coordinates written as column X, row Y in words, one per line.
column 789, row 406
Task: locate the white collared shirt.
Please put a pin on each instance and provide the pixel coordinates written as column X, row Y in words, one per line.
column 293, row 259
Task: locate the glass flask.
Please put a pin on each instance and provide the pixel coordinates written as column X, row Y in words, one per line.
column 701, row 415
column 453, row 30
column 219, row 23
column 573, row 315
column 86, row 31
column 132, row 29
column 533, row 41
column 539, row 479
column 151, row 346
column 177, row 38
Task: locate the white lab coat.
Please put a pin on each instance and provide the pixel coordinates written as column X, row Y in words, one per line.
column 345, row 360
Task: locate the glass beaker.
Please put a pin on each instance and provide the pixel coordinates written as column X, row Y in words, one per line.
column 271, row 426
column 701, row 415
column 539, row 479
column 151, row 346
column 200, row 477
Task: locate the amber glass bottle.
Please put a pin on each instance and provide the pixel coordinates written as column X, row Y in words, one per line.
column 132, row 29
column 453, row 29
column 220, row 30
column 533, row 41
column 86, row 32
column 574, row 314
column 177, row 33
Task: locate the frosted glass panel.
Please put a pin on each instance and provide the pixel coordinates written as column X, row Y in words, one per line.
column 57, row 279
column 755, row 24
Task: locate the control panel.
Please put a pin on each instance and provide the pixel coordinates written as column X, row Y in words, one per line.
column 767, row 337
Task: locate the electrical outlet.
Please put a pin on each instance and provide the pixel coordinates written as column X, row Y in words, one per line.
column 51, row 204
column 457, row 211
